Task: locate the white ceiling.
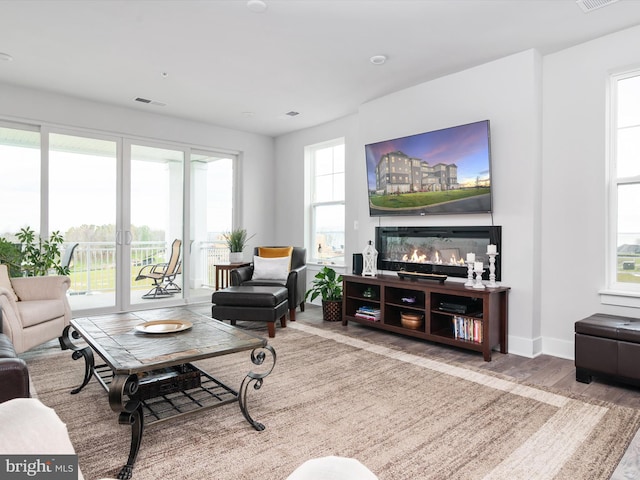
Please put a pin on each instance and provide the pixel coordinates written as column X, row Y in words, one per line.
column 223, row 60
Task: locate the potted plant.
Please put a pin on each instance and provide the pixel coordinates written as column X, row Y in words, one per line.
column 328, row 285
column 236, row 241
column 33, row 256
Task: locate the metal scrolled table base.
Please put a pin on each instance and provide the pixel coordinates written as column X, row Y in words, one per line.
column 122, row 390
column 256, row 379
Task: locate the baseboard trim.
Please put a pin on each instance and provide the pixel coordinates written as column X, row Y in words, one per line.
column 558, row 348
column 525, row 347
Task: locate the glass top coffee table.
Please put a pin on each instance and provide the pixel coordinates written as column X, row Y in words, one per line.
column 148, row 371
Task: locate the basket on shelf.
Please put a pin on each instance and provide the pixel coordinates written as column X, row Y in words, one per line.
column 411, row 320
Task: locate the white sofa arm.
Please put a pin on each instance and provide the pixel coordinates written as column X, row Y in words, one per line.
column 11, row 322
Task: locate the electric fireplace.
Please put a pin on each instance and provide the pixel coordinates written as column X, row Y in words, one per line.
column 439, row 250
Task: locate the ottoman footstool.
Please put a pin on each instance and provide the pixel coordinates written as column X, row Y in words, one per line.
column 253, row 304
column 608, row 345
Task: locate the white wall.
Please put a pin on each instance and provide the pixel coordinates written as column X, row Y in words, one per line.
column 256, row 151
column 290, row 195
column 507, row 92
column 573, row 183
column 290, row 174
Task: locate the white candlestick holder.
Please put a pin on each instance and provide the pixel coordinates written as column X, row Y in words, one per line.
column 492, row 270
column 469, row 282
column 479, row 284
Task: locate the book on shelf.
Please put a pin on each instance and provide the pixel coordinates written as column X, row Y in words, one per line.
column 466, row 328
column 368, row 313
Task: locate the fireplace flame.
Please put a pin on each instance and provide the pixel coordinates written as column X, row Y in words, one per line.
column 414, row 258
column 456, row 261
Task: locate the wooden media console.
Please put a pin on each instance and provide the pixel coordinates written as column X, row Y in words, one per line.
column 451, row 314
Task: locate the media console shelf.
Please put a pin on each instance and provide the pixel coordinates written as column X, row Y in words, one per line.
column 475, row 319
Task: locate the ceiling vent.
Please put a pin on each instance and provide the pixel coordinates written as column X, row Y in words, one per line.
column 150, row 102
column 591, row 5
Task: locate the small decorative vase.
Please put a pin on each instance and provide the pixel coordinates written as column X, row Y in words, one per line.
column 235, row 257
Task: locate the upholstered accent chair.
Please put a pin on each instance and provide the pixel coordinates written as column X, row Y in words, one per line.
column 295, row 279
column 34, row 309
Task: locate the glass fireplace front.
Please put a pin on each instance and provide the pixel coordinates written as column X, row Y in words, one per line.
column 441, row 250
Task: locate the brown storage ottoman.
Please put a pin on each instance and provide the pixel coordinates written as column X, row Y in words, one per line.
column 608, row 345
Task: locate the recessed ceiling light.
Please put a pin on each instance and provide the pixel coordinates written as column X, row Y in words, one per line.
column 378, row 59
column 257, row 6
column 164, row 74
column 6, row 57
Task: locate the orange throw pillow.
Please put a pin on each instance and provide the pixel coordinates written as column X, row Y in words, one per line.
column 274, row 252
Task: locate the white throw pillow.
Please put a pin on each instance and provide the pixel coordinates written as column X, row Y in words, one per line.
column 270, row 268
column 5, row 282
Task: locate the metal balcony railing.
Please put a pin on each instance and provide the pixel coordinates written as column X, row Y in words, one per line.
column 93, row 266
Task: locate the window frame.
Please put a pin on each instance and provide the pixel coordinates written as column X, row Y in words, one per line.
column 312, row 204
column 616, row 292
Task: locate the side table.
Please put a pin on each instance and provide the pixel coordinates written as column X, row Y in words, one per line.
column 222, row 272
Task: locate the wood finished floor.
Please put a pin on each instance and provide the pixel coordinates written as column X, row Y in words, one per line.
column 544, row 370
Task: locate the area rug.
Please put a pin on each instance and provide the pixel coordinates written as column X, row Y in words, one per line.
column 402, row 415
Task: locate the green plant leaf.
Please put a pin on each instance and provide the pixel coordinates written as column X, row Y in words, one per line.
column 37, row 256
column 326, row 284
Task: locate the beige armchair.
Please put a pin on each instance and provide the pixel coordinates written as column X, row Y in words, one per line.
column 34, row 309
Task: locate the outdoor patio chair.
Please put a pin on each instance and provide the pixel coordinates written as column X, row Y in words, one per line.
column 161, row 272
column 67, row 257
column 171, row 286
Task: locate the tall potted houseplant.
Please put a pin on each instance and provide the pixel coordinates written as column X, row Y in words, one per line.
column 33, row 255
column 236, row 241
column 327, row 284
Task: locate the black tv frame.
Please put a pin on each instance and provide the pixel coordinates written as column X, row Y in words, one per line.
column 420, row 168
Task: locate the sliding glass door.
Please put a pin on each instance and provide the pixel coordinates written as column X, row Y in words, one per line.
column 155, row 224
column 20, row 179
column 212, row 181
column 82, row 206
column 121, row 217
column 120, row 206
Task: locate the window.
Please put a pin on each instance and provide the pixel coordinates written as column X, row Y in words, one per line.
column 624, row 231
column 20, row 179
column 325, row 214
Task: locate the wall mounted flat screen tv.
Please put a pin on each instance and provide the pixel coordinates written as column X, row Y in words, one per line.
column 445, row 171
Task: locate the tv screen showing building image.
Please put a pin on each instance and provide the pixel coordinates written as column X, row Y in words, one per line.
column 445, row 171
